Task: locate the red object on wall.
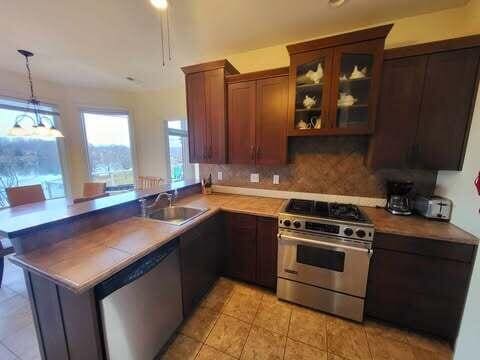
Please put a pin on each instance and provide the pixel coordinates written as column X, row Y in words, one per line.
column 477, row 183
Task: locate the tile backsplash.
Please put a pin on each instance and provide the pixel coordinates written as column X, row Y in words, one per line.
column 326, row 165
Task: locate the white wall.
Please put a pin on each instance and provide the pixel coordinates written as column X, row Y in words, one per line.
column 459, row 187
column 151, row 110
column 69, row 101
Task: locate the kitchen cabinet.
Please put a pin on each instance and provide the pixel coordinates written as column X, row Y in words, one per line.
column 267, row 247
column 334, row 83
column 206, row 111
column 251, row 249
column 419, row 283
column 425, row 108
column 200, row 254
column 257, row 117
column 241, row 246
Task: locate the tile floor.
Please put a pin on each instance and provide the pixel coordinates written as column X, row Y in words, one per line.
column 238, row 321
column 17, row 333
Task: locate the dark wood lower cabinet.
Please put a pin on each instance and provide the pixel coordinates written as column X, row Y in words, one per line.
column 267, row 245
column 241, row 248
column 251, row 249
column 422, row 288
column 200, row 254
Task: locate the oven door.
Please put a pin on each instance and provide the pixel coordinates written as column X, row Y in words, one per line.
column 323, row 261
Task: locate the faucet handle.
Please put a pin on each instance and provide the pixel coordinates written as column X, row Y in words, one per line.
column 143, row 207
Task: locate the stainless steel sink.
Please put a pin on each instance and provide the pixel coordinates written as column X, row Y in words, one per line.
column 175, row 215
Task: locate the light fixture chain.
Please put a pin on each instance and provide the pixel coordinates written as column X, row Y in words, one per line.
column 168, row 35
column 27, row 62
column 163, row 42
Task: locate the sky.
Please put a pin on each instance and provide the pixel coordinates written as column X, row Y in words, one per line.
column 107, row 129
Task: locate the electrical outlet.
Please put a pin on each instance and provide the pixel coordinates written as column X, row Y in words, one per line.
column 254, row 178
column 219, row 176
column 276, row 179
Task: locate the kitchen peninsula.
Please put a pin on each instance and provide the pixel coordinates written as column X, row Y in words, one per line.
column 64, row 269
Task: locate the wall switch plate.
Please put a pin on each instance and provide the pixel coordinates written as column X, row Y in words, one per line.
column 276, row 179
column 219, row 176
column 254, row 178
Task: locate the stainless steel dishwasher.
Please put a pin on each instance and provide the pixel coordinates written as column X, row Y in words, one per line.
column 141, row 306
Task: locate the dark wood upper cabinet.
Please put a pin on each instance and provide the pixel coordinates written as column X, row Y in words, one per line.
column 241, row 122
column 445, row 114
column 355, row 87
column 334, row 83
column 206, row 110
column 425, row 108
column 271, row 124
column 257, row 117
column 196, row 117
column 398, row 113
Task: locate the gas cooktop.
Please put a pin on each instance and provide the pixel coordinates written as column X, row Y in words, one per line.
column 345, row 221
column 322, row 209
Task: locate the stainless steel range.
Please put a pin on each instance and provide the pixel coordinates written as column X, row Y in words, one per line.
column 324, row 252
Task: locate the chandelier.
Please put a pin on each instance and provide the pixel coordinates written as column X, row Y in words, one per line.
column 41, row 126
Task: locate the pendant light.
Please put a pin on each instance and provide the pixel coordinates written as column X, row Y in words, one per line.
column 39, row 127
column 163, row 6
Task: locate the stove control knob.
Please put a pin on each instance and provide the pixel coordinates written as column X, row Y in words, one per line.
column 297, row 224
column 348, row 232
column 361, row 233
column 286, row 222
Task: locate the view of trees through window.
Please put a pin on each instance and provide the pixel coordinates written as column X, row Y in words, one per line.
column 28, row 160
column 109, row 149
column 177, row 149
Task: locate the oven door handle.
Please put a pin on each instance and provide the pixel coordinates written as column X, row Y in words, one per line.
column 323, row 243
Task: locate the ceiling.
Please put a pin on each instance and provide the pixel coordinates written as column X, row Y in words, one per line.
column 98, row 43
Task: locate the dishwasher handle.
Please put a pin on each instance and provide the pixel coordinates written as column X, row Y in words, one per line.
column 134, row 271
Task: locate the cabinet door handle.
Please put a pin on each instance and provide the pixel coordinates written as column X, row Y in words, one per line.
column 258, row 152
column 252, row 152
column 210, row 152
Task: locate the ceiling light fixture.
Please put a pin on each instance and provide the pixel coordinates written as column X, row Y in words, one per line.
column 39, row 127
column 160, row 4
column 164, row 28
column 334, row 3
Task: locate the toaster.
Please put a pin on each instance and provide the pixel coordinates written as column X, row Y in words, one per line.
column 433, row 207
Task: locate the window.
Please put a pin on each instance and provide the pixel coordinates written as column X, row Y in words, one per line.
column 178, row 164
column 107, row 137
column 28, row 160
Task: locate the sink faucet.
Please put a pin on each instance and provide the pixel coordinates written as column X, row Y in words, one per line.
column 145, row 208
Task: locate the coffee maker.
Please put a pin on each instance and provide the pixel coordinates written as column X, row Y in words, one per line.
column 398, row 197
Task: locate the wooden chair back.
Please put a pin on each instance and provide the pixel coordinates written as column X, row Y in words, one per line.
column 22, row 195
column 148, row 182
column 91, row 189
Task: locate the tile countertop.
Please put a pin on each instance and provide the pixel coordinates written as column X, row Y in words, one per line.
column 81, row 262
column 19, row 220
column 418, row 227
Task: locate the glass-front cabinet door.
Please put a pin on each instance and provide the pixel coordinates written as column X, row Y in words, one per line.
column 355, row 84
column 310, row 79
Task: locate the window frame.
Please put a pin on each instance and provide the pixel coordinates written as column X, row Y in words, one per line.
column 107, row 111
column 184, row 134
